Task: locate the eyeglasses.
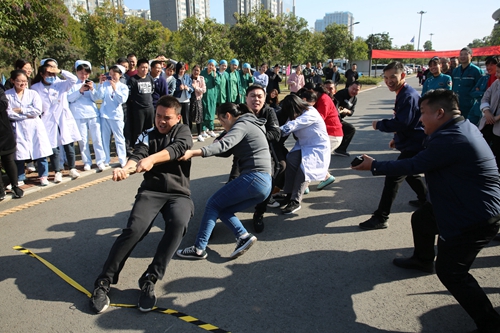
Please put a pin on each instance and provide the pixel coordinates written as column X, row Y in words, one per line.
column 17, row 81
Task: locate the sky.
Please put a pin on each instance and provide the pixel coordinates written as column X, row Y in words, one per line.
column 453, row 27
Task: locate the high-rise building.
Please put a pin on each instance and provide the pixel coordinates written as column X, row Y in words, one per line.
column 241, row 7
column 286, row 7
column 271, row 5
column 345, row 18
column 171, row 13
column 244, row 7
column 89, row 5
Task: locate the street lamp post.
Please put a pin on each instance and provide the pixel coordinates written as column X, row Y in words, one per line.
column 420, row 29
column 350, row 25
column 352, row 35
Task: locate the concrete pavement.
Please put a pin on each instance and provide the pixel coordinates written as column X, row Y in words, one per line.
column 313, row 271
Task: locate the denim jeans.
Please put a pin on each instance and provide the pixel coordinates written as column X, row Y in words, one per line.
column 243, row 192
column 42, row 166
column 69, row 149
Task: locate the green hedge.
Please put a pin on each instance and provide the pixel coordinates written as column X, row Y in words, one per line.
column 364, row 80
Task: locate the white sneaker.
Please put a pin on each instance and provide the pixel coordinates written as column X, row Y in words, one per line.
column 31, row 169
column 87, row 167
column 204, row 134
column 200, row 138
column 8, row 187
column 106, row 165
column 73, row 173
column 20, row 183
column 44, row 181
column 212, row 134
column 58, row 177
column 102, row 166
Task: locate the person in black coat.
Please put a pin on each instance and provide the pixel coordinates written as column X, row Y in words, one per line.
column 274, row 79
column 7, row 148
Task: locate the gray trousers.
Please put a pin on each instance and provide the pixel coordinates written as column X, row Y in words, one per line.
column 295, row 180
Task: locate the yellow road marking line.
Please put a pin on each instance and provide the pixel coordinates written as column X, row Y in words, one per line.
column 80, row 288
column 53, row 196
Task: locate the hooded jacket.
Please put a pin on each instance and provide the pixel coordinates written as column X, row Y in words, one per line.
column 247, row 141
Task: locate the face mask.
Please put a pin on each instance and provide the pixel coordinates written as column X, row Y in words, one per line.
column 50, row 79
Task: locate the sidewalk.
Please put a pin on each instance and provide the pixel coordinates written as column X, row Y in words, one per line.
column 32, row 182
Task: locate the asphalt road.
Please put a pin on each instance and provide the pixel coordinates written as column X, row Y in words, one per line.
column 314, row 271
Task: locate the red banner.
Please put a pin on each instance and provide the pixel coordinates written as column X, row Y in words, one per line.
column 396, row 54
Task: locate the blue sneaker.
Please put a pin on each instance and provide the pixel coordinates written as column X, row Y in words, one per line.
column 325, row 183
column 306, row 191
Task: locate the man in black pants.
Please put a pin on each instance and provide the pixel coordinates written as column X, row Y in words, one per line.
column 140, row 102
column 464, row 189
column 408, row 139
column 345, row 100
column 165, row 189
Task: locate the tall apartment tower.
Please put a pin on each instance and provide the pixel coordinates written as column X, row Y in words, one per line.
column 345, row 18
column 171, row 13
column 243, row 7
column 89, row 5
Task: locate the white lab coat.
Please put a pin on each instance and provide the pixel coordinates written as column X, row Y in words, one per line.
column 31, row 137
column 57, row 117
column 313, row 141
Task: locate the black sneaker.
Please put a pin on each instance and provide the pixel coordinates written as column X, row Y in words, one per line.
column 292, row 207
column 147, row 300
column 2, row 193
column 341, row 153
column 190, row 253
column 374, row 223
column 414, row 263
column 242, row 245
column 258, row 222
column 416, row 203
column 284, row 200
column 17, row 191
column 99, row 301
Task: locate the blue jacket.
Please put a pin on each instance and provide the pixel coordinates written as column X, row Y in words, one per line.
column 409, row 134
column 442, row 81
column 161, row 89
column 464, row 81
column 461, row 174
column 185, row 80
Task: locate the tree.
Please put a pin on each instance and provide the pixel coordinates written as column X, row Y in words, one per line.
column 407, row 47
column 256, row 37
column 494, row 38
column 337, row 40
column 478, row 42
column 69, row 50
column 315, row 50
column 428, row 46
column 379, row 41
column 292, row 48
column 198, row 41
column 148, row 38
column 30, row 27
column 358, row 50
column 101, row 29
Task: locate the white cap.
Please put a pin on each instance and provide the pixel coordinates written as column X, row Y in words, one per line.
column 43, row 61
column 120, row 67
column 82, row 62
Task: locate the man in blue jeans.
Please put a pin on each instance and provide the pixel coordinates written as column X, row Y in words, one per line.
column 464, row 189
column 165, row 190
